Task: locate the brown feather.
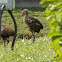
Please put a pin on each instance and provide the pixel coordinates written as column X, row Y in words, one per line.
column 33, row 23
column 6, row 31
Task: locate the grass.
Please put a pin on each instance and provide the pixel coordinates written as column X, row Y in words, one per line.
column 24, row 49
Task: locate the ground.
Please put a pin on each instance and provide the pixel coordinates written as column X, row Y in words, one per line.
column 24, row 49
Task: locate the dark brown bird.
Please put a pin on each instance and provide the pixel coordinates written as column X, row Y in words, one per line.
column 6, row 32
column 33, row 23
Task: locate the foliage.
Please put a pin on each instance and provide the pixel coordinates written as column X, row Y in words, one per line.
column 54, row 15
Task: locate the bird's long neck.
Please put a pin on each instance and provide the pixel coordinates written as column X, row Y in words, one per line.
column 25, row 17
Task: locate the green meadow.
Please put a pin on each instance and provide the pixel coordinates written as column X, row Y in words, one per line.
column 24, row 49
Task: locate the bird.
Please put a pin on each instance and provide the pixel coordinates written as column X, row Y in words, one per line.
column 6, row 32
column 33, row 23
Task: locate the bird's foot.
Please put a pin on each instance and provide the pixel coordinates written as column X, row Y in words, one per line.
column 12, row 48
column 33, row 38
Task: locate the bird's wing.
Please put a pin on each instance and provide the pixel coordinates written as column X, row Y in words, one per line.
column 35, row 21
column 9, row 30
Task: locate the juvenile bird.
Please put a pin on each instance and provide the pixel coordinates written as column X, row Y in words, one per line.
column 6, row 32
column 33, row 23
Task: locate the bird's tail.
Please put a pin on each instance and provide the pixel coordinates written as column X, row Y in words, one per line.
column 41, row 26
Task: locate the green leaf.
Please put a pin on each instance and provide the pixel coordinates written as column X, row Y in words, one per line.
column 42, row 1
column 55, row 37
column 47, row 12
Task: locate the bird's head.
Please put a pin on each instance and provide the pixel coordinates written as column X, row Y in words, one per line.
column 24, row 12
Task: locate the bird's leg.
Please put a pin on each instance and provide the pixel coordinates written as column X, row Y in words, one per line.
column 7, row 41
column 4, row 43
column 33, row 36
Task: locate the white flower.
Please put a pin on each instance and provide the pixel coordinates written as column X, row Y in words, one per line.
column 29, row 58
column 24, row 43
column 45, row 55
column 26, row 57
column 29, row 40
column 22, row 40
column 17, row 59
column 22, row 55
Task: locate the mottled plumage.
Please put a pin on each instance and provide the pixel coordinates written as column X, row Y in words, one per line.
column 6, row 32
column 33, row 23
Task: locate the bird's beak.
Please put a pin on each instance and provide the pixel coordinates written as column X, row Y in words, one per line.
column 20, row 16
